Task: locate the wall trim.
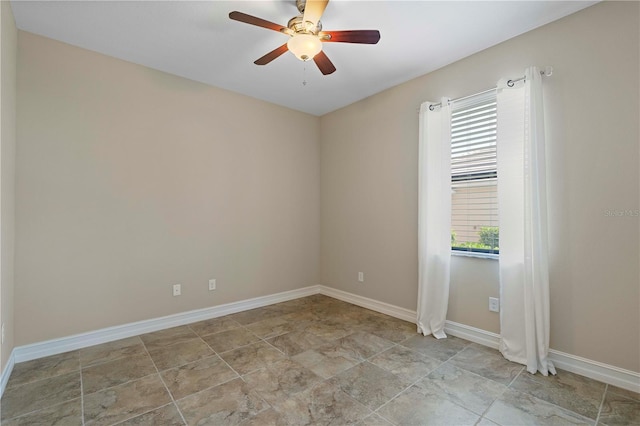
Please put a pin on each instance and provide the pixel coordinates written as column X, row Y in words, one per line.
column 109, row 334
column 606, row 373
column 374, row 305
column 6, row 372
column 472, row 334
column 602, row 372
column 610, row 374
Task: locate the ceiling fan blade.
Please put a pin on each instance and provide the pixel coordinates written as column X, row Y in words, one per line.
column 271, row 55
column 313, row 10
column 252, row 20
column 352, row 36
column 323, row 62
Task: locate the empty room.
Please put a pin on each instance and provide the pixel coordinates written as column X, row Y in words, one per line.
column 319, row 212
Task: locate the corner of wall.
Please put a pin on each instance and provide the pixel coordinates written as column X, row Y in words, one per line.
column 8, row 60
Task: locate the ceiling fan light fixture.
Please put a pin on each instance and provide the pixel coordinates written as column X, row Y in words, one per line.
column 304, row 46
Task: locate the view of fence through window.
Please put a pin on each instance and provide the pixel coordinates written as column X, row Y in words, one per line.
column 474, row 190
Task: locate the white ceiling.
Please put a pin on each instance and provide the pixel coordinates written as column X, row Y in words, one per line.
column 197, row 40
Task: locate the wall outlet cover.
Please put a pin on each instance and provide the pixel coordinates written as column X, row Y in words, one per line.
column 494, row 304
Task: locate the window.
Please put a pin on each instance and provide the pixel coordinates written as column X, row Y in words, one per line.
column 474, row 195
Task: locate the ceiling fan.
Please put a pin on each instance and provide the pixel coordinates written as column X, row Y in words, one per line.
column 306, row 35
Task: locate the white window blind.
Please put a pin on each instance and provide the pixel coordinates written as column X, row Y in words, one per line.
column 474, row 196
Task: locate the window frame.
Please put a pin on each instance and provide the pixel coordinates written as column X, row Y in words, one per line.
column 475, row 176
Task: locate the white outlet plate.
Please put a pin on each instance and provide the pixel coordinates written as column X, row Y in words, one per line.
column 212, row 284
column 177, row 289
column 494, row 304
column 361, row 277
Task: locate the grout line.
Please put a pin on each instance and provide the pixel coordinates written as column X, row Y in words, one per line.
column 39, row 409
column 142, row 414
column 95, row 364
column 121, row 384
column 164, row 384
column 604, row 394
column 222, row 359
column 515, row 378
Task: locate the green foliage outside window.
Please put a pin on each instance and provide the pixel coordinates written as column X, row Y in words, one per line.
column 488, row 239
column 489, row 236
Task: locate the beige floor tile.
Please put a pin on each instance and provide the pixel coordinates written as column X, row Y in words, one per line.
column 271, row 327
column 324, row 361
column 329, row 329
column 441, row 349
column 68, row 414
column 461, row 387
column 486, row 422
column 392, row 329
column 323, row 404
column 41, row 394
column 623, row 392
column 196, row 376
column 43, row 368
column 116, row 372
column 517, row 408
column 163, row 416
column 227, row 404
column 269, row 417
column 413, row 407
column 252, row 357
column 363, row 345
column 122, row 402
column 168, row 337
column 369, row 385
column 254, row 315
column 619, row 410
column 278, row 381
column 374, row 420
column 214, row 325
column 405, row 363
column 230, row 339
column 567, row 390
column 488, row 363
column 180, row 353
column 111, row 351
column 296, row 342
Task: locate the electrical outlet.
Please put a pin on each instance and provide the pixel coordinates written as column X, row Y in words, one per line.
column 177, row 289
column 361, row 277
column 212, row 284
column 494, row 304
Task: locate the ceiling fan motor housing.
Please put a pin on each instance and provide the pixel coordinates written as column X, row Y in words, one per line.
column 297, row 25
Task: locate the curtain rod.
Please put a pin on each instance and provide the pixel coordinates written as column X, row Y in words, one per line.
column 548, row 70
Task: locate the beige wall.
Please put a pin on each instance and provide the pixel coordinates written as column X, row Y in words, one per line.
column 369, row 184
column 8, row 41
column 130, row 180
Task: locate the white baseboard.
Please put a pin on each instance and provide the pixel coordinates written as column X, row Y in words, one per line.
column 472, row 334
column 83, row 340
column 6, row 372
column 374, row 305
column 603, row 372
column 606, row 373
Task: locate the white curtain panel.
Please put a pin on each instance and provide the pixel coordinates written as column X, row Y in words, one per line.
column 434, row 218
column 522, row 208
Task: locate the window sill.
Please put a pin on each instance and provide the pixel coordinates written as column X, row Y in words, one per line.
column 475, row 254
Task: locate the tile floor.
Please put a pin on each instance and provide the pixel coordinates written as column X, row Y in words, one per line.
column 314, row 360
